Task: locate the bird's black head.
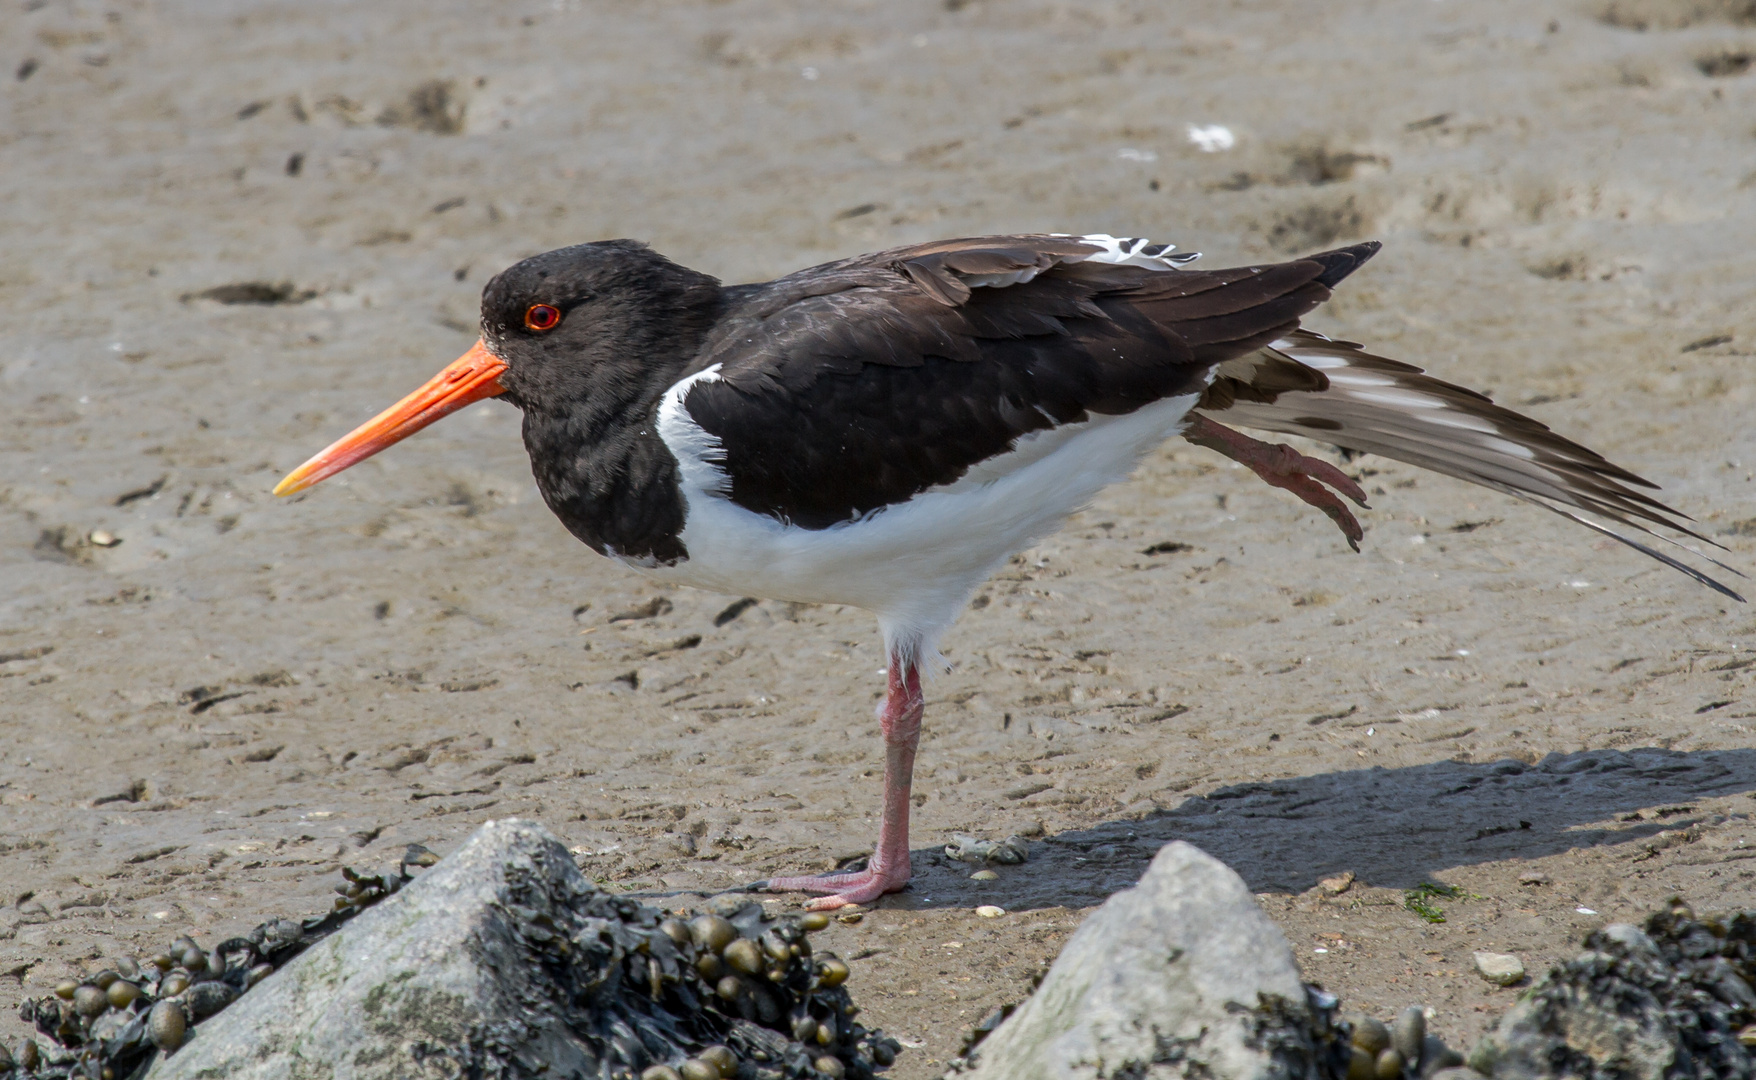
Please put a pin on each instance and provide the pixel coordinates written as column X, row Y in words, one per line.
column 581, row 339
column 593, row 322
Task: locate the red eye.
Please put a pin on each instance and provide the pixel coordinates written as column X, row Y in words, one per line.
column 542, row 317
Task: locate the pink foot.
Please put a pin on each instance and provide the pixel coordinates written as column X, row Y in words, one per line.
column 888, row 870
column 1283, row 467
column 857, row 887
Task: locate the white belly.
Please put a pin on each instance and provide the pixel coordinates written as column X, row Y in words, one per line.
column 913, row 564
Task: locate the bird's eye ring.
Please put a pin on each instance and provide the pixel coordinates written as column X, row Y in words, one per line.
column 542, row 317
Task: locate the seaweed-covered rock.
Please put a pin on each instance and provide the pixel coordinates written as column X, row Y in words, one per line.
column 504, row 962
column 1666, row 1003
column 1181, row 976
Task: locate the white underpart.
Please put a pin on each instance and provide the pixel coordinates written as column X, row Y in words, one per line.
column 913, row 564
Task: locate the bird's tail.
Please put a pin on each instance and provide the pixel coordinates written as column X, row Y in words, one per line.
column 1380, row 406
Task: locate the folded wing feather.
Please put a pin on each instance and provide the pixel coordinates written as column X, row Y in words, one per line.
column 1369, row 403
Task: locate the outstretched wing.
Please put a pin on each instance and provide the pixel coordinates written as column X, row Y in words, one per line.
column 855, row 385
column 1394, row 409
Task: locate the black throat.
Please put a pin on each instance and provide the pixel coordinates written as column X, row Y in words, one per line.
column 590, row 393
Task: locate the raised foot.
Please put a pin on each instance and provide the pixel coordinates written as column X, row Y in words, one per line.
column 855, row 887
column 1283, row 467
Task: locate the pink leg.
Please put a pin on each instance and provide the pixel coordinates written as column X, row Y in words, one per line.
column 1284, row 467
column 887, row 871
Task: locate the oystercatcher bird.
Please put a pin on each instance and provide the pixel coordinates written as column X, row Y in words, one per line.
column 886, row 430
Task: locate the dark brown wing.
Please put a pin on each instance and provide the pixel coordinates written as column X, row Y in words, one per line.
column 856, row 385
column 1381, row 406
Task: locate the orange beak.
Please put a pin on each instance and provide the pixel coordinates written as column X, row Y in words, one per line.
column 470, row 378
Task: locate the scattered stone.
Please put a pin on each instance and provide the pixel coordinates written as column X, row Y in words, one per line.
column 104, row 538
column 1338, row 884
column 1664, row 1003
column 1008, row 852
column 1501, row 969
column 990, row 911
column 1184, row 970
column 984, row 875
column 1534, row 877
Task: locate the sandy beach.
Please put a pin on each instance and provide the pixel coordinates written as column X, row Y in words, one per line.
column 234, row 230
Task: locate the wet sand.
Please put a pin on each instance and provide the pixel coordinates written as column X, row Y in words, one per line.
column 203, row 721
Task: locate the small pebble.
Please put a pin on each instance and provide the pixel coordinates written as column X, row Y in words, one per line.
column 104, row 978
column 710, row 967
column 1534, row 877
column 677, row 930
column 104, row 538
column 1371, row 1036
column 65, row 989
column 804, row 1029
column 129, row 968
column 830, row 1067
column 661, row 1072
column 696, row 1069
column 850, row 917
column 163, row 962
column 166, row 1024
column 1389, row 1065
column 989, row 911
column 173, row 985
column 1407, row 1034
column 812, row 921
column 1501, row 969
column 984, row 875
column 1338, row 884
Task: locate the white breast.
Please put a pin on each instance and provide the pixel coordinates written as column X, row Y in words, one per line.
column 913, row 564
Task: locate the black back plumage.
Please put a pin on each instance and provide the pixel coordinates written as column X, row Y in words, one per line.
column 858, row 385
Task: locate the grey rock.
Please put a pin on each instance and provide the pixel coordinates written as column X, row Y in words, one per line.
column 502, row 962
column 410, row 982
column 1181, row 976
column 1501, row 969
column 1661, row 1003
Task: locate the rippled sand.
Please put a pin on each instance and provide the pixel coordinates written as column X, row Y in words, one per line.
column 202, row 721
